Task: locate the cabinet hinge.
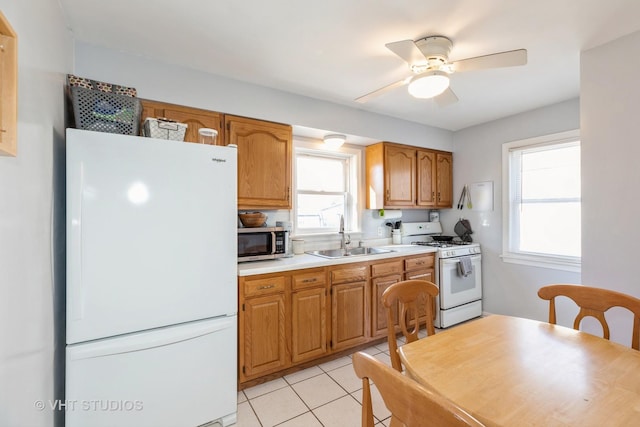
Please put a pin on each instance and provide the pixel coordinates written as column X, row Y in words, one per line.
column 244, row 371
column 242, row 306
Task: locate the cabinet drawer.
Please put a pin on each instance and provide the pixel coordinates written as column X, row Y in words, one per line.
column 421, row 262
column 383, row 269
column 426, row 274
column 264, row 286
column 310, row 279
column 349, row 274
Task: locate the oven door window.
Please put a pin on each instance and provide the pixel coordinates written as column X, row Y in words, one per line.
column 456, row 289
column 252, row 244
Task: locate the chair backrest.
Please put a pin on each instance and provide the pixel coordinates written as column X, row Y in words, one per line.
column 410, row 403
column 408, row 296
column 593, row 302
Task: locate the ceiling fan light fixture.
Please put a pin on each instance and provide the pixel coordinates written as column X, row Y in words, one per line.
column 429, row 84
column 334, row 140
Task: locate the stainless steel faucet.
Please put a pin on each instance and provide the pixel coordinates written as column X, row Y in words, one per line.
column 344, row 242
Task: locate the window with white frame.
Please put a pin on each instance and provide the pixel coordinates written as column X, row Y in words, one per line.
column 325, row 188
column 542, row 201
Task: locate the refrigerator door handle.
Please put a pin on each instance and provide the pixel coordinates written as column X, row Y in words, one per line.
column 75, row 273
column 148, row 340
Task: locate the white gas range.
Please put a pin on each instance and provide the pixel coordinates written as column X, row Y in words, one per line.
column 458, row 273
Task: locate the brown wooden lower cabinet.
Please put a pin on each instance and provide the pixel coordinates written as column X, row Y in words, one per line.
column 263, row 324
column 379, row 312
column 264, row 335
column 421, row 268
column 295, row 317
column 383, row 275
column 308, row 314
column 349, row 315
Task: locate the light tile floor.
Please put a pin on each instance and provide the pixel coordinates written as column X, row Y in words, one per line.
column 326, row 395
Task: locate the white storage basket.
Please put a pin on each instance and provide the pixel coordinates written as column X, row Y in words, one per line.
column 164, row 129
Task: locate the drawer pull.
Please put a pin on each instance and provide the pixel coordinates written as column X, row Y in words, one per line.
column 420, row 275
column 260, row 288
column 314, row 279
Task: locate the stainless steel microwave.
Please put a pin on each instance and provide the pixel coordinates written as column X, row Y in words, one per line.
column 262, row 243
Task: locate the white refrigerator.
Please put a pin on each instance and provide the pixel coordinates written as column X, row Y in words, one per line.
column 151, row 323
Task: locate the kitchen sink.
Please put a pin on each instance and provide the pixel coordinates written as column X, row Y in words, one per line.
column 341, row 253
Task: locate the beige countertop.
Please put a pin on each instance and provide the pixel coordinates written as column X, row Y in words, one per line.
column 298, row 262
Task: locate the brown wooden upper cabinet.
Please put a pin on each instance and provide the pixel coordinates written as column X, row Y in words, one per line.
column 265, row 150
column 444, row 180
column 195, row 118
column 402, row 176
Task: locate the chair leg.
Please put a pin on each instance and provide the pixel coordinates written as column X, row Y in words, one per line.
column 367, row 408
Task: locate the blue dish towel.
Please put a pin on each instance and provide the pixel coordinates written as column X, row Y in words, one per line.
column 464, row 266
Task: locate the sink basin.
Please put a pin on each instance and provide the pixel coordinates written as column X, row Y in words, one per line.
column 340, row 253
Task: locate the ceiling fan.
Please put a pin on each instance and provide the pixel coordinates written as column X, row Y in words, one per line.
column 428, row 60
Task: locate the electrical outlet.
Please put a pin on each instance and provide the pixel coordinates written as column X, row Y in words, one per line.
column 380, row 231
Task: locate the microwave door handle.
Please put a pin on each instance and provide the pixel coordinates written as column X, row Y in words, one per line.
column 273, row 242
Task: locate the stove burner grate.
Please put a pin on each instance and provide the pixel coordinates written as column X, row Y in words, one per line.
column 441, row 244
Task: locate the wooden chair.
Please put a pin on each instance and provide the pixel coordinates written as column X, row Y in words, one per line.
column 410, row 403
column 408, row 296
column 593, row 302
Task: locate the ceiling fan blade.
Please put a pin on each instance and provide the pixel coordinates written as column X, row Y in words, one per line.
column 495, row 60
column 377, row 92
column 446, row 98
column 407, row 50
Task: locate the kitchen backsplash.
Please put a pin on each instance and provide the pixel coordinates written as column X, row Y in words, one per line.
column 370, row 221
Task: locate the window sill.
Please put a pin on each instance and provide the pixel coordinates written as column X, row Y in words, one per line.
column 556, row 263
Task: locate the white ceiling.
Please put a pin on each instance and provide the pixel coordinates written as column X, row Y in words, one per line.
column 334, row 50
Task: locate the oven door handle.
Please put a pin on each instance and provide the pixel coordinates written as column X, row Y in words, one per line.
column 456, row 260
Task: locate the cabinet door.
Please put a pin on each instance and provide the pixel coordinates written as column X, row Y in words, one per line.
column 426, row 177
column 194, row 118
column 426, row 274
column 349, row 315
column 263, row 344
column 264, row 162
column 379, row 312
column 309, row 328
column 399, row 176
column 444, row 168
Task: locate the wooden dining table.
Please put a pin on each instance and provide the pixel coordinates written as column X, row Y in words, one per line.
column 510, row 371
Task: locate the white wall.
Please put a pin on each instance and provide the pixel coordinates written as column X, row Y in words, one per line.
column 610, row 130
column 27, row 291
column 180, row 85
column 508, row 288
